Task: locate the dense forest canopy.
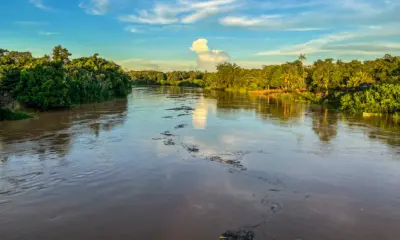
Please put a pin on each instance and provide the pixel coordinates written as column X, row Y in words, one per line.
column 57, row 81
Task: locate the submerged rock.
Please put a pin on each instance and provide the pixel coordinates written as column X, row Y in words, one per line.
column 238, row 235
column 169, row 142
column 183, row 114
column 182, row 108
column 167, row 133
column 192, row 149
column 180, row 126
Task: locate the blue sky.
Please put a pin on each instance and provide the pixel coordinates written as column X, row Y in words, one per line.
column 197, row 34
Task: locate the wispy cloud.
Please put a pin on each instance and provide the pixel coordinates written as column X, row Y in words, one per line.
column 30, row 23
column 40, row 4
column 96, row 7
column 132, row 29
column 289, row 4
column 266, row 22
column 43, row 33
column 344, row 43
column 328, row 14
column 184, row 11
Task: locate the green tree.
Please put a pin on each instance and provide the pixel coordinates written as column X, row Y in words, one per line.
column 61, row 54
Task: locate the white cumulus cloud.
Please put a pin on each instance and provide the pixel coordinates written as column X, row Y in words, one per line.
column 207, row 59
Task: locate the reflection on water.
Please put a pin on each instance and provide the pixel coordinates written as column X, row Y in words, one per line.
column 200, row 114
column 141, row 169
column 324, row 126
column 52, row 132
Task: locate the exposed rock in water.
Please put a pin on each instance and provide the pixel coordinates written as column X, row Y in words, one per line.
column 167, row 133
column 182, row 108
column 238, row 235
column 215, row 159
column 183, row 114
column 169, row 142
column 167, row 117
column 180, row 126
column 192, row 149
column 234, row 163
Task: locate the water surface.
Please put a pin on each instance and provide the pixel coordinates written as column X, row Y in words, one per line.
column 173, row 163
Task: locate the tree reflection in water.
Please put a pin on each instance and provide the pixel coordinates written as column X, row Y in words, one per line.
column 53, row 132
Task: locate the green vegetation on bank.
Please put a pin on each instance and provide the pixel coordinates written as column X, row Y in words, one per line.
column 8, row 114
column 58, row 82
column 48, row 82
column 358, row 87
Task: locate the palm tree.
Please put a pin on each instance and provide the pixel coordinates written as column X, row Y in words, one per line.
column 302, row 57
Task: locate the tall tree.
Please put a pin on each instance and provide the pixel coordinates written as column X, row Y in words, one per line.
column 61, row 54
column 302, row 58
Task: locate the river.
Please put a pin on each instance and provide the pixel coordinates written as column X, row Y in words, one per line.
column 173, row 163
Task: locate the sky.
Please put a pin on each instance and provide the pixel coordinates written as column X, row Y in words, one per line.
column 171, row 35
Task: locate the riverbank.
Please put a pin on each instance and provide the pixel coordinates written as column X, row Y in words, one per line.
column 377, row 100
column 57, row 82
column 8, row 114
column 297, row 96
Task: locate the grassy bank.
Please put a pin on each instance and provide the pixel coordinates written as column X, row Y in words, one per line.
column 297, row 96
column 375, row 100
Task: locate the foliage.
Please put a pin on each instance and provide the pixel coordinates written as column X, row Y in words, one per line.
column 7, row 114
column 174, row 78
column 344, row 85
column 382, row 98
column 57, row 81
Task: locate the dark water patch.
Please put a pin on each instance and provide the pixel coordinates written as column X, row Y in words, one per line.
column 168, row 134
column 183, row 114
column 182, row 108
column 234, row 163
column 180, row 126
column 191, row 148
column 169, row 142
column 274, row 190
column 168, row 117
column 176, row 96
column 238, row 235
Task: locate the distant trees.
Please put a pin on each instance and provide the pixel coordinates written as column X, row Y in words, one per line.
column 58, row 81
column 321, row 76
column 343, row 84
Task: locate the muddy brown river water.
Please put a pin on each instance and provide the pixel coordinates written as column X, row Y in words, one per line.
column 174, row 163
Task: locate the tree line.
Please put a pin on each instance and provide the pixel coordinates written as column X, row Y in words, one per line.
column 57, row 81
column 371, row 86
